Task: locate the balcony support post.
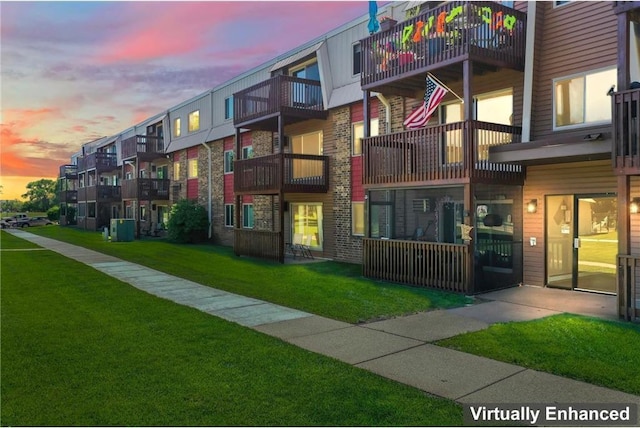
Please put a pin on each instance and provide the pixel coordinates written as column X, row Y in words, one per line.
column 281, row 193
column 238, row 198
column 624, row 243
column 366, row 106
column 469, row 220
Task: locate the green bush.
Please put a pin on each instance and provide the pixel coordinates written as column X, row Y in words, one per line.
column 53, row 213
column 188, row 222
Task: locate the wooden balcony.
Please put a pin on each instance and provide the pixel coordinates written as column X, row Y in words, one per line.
column 143, row 147
column 263, row 244
column 626, row 132
column 426, row 264
column 491, row 35
column 99, row 193
column 146, row 189
column 286, row 172
column 68, row 171
column 442, row 154
column 100, row 161
column 68, row 196
column 259, row 106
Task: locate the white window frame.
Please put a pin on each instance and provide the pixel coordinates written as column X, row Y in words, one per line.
column 354, row 218
column 192, row 168
column 228, row 161
column 375, row 131
column 229, row 215
column 554, row 100
column 228, row 108
column 353, row 59
column 192, row 126
column 247, row 152
column 245, row 219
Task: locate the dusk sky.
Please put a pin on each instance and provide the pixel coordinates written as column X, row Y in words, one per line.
column 75, row 71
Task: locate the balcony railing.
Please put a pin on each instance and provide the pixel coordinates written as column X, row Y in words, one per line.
column 287, row 95
column 143, row 146
column 482, row 31
column 146, row 189
column 68, row 171
column 626, row 132
column 427, row 264
column 68, row 196
column 287, row 172
column 101, row 161
column 451, row 152
column 263, row 244
column 99, row 193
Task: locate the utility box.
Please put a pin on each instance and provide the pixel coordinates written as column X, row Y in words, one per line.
column 122, row 229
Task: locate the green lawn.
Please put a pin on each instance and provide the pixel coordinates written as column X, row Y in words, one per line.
column 332, row 289
column 10, row 242
column 605, row 353
column 80, row 348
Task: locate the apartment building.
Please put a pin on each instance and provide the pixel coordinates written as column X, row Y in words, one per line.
column 525, row 173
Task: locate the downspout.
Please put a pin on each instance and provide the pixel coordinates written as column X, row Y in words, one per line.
column 527, row 96
column 387, row 109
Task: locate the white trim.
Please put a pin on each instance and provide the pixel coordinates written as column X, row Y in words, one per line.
column 224, row 162
column 527, row 95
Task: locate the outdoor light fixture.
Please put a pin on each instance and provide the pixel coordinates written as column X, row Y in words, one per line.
column 634, row 207
column 532, row 206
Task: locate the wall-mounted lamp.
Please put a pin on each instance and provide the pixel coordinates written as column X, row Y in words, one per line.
column 532, row 206
column 634, row 207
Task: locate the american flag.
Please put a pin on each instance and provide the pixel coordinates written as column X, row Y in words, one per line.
column 432, row 97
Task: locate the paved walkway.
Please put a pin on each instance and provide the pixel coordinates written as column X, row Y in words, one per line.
column 400, row 348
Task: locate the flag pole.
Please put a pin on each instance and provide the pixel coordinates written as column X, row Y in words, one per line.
column 445, row 86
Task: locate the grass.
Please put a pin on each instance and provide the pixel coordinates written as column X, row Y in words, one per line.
column 596, row 351
column 80, row 348
column 10, row 242
column 331, row 289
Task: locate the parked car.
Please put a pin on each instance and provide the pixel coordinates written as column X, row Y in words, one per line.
column 36, row 221
column 6, row 222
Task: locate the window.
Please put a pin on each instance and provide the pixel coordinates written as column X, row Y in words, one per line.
column 176, row 127
column 247, row 216
column 228, row 161
column 582, row 100
column 306, row 223
column 194, row 121
column 82, row 210
column 560, row 3
column 91, row 209
column 143, row 213
column 128, row 211
column 247, row 152
column 307, row 144
column 176, row 171
column 357, row 134
column 228, row 108
column 357, row 53
column 192, row 168
column 357, row 218
column 228, row 215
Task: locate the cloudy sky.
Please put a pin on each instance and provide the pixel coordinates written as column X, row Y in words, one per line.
column 75, row 71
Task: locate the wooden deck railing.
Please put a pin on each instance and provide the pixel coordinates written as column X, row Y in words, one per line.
column 484, row 31
column 146, row 189
column 454, row 151
column 68, row 171
column 263, row 244
column 140, row 145
column 626, row 132
column 629, row 286
column 288, row 172
column 102, row 161
column 100, row 193
column 428, row 264
column 68, row 196
column 280, row 94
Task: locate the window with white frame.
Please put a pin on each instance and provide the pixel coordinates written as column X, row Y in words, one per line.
column 228, row 215
column 357, row 218
column 194, row 121
column 357, row 54
column 176, row 171
column 228, row 108
column 357, row 134
column 228, row 161
column 247, row 152
column 582, row 100
column 306, row 224
column 176, row 127
column 247, row 216
column 192, row 168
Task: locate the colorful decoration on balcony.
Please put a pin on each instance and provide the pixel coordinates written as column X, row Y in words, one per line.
column 432, row 97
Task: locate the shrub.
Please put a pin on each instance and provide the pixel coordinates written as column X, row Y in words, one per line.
column 53, row 213
column 188, row 222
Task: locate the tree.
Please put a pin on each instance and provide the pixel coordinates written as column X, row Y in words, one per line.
column 188, row 222
column 41, row 195
column 12, row 206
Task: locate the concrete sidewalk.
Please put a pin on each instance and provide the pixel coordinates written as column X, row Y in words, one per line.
column 400, row 348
